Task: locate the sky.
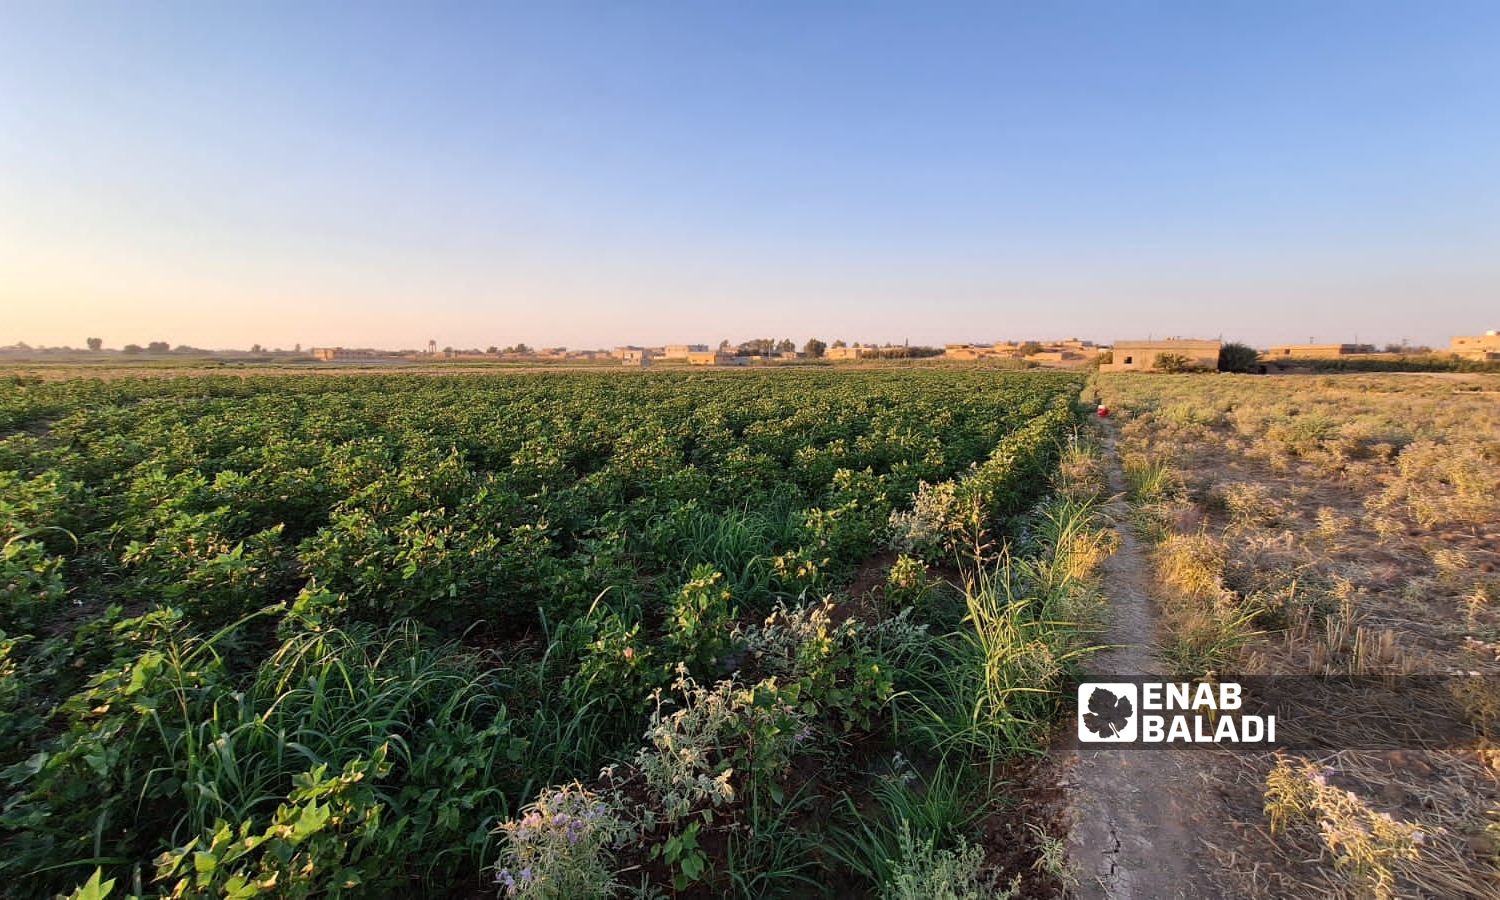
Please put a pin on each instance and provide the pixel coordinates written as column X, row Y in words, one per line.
column 590, row 174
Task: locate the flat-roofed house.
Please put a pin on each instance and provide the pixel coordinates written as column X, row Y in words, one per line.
column 715, row 358
column 330, row 354
column 1482, row 347
column 1316, row 351
column 1142, row 356
column 681, row 351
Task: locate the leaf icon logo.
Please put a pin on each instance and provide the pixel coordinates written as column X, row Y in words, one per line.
column 1108, row 715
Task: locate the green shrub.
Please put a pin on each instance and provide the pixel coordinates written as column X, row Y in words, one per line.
column 1236, row 357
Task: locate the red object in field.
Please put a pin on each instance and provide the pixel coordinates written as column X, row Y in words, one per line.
column 1103, row 412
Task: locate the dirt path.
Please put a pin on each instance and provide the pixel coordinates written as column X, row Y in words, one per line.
column 1134, row 807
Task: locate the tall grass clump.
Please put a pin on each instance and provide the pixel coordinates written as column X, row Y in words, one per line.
column 991, row 685
column 1149, row 479
column 1208, row 624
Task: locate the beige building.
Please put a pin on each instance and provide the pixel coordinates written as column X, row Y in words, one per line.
column 330, row 354
column 1483, row 347
column 681, row 351
column 632, row 356
column 1064, row 355
column 1141, row 356
column 854, row 352
column 715, row 358
column 978, row 351
column 1315, row 351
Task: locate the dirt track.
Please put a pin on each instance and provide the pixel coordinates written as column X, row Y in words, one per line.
column 1134, row 807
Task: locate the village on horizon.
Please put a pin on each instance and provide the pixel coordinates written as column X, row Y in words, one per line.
column 1174, row 353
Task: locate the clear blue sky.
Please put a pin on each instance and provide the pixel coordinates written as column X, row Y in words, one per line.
column 590, row 174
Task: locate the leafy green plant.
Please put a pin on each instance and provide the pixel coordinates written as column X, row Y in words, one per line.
column 682, row 854
column 702, row 613
column 327, row 839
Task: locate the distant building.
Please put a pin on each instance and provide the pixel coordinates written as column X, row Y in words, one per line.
column 1316, row 351
column 977, row 351
column 633, row 356
column 681, row 351
column 854, row 352
column 1141, row 356
column 715, row 358
column 331, row 354
column 1483, row 347
column 1063, row 355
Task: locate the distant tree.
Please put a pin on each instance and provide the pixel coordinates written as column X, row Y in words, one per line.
column 297, row 348
column 840, row 343
column 785, row 345
column 814, row 348
column 492, row 350
column 158, row 347
column 518, row 348
column 96, row 344
column 1237, row 357
column 257, row 348
column 725, row 345
column 1174, row 363
column 187, row 348
column 131, row 349
column 1029, row 348
column 448, row 352
column 756, row 347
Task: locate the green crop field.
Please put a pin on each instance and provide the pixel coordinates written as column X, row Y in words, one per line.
column 570, row 634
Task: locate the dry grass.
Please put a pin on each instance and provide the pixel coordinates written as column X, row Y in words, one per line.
column 1341, row 536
